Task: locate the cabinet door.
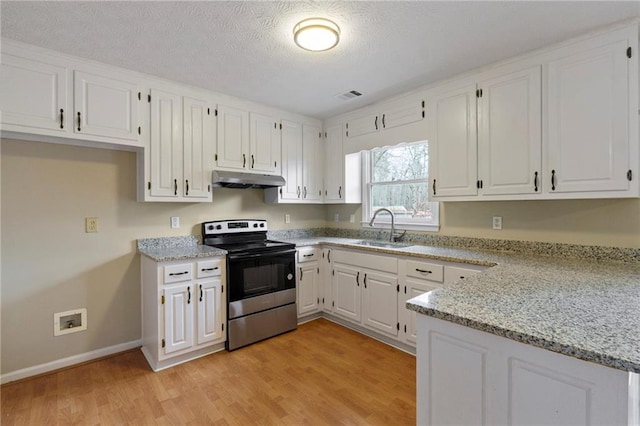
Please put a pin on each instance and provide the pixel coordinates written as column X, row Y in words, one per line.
column 326, row 295
column 311, row 163
column 308, row 288
column 178, row 318
column 198, row 148
column 510, row 133
column 452, row 143
column 264, row 148
column 333, row 165
column 346, row 292
column 165, row 148
column 401, row 112
column 364, row 125
column 291, row 160
column 380, row 302
column 412, row 288
column 233, row 137
column 34, row 94
column 105, row 106
column 588, row 135
column 210, row 314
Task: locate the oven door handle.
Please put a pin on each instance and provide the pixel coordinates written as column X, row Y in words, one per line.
column 246, row 255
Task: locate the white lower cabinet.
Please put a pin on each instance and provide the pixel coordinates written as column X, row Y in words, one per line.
column 469, row 377
column 365, row 289
column 308, row 286
column 182, row 309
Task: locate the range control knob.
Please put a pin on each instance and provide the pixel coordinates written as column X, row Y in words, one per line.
column 218, row 226
column 210, row 227
column 255, row 225
column 262, row 225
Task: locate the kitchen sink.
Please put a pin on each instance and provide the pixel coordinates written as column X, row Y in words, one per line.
column 382, row 244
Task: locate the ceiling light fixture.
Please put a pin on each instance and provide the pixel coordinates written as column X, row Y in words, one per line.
column 316, row 34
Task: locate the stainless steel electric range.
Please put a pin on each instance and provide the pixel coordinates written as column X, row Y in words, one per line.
column 261, row 280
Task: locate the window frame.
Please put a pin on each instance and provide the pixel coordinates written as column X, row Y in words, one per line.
column 400, row 223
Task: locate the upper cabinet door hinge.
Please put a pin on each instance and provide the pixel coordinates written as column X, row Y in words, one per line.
column 216, row 157
column 629, row 52
column 163, row 299
column 629, row 175
column 139, row 95
column 149, row 185
column 163, row 344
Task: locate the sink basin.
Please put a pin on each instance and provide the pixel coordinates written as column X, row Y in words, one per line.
column 382, row 244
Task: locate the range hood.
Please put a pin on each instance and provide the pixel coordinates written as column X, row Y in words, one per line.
column 223, row 179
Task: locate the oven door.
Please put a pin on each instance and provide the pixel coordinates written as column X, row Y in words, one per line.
column 251, row 275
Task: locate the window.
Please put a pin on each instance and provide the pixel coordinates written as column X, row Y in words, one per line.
column 397, row 178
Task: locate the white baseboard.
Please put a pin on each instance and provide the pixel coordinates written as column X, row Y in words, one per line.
column 66, row 362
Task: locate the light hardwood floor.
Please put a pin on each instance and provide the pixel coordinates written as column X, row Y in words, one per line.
column 320, row 374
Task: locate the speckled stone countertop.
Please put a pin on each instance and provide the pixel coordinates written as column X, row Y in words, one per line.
column 585, row 306
column 176, row 248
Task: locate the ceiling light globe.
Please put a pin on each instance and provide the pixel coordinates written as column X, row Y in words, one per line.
column 316, row 34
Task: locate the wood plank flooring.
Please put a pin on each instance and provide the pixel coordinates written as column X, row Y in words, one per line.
column 320, row 374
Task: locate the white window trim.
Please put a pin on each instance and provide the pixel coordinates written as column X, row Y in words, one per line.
column 381, row 223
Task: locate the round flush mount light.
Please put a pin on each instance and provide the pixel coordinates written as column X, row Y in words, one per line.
column 316, row 34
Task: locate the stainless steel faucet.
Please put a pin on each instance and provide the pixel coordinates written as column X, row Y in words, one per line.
column 393, row 221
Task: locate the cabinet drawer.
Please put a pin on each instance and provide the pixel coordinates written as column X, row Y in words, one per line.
column 425, row 271
column 209, row 268
column 178, row 273
column 307, row 254
column 455, row 273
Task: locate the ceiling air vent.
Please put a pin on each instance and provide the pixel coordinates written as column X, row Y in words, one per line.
column 348, row 95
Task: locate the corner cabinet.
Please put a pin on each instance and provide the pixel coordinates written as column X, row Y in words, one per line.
column 342, row 173
column 588, row 147
column 51, row 95
column 183, row 309
column 302, row 162
column 178, row 156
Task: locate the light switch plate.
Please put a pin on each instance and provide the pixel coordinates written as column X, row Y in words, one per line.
column 287, row 218
column 497, row 222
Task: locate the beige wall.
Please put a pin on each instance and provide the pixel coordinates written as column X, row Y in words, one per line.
column 50, row 265
column 587, row 222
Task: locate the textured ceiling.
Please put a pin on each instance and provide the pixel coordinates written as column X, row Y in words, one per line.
column 246, row 49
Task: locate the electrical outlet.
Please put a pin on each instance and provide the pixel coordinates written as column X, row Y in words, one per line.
column 175, row 222
column 287, row 218
column 336, row 217
column 352, row 218
column 90, row 224
column 497, row 222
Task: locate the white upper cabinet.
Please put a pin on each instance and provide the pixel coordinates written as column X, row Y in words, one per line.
column 34, row 94
column 105, row 106
column 311, row 163
column 44, row 94
column 233, row 138
column 387, row 115
column 198, row 148
column 264, row 146
column 589, row 110
column 581, row 142
column 178, row 156
column 247, row 141
column 452, row 141
column 510, row 133
column 342, row 174
column 302, row 165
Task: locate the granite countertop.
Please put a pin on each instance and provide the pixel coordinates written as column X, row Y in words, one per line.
column 587, row 307
column 176, row 248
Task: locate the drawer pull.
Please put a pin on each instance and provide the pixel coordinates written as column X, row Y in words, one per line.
column 178, row 273
column 308, row 255
column 209, row 269
column 201, row 292
column 424, row 271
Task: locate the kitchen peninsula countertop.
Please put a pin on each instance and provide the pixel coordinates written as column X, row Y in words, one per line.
column 583, row 306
